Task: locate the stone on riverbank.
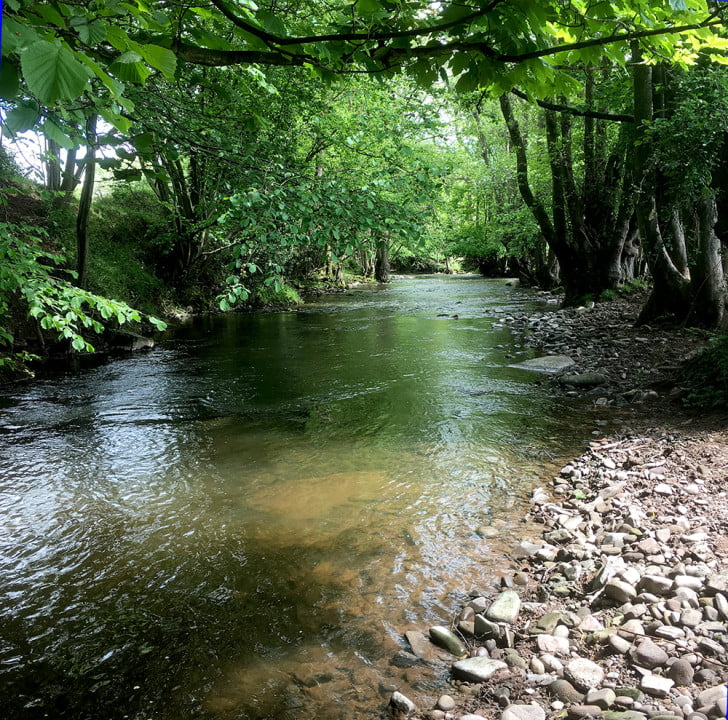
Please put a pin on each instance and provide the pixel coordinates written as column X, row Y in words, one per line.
column 447, row 639
column 584, row 673
column 643, row 611
column 546, row 364
column 477, row 669
column 523, row 712
column 400, row 706
column 505, row 607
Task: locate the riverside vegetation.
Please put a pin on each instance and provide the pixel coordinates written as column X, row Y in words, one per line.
column 250, row 147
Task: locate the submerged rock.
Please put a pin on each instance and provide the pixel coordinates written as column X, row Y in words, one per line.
column 400, row 706
column 546, row 364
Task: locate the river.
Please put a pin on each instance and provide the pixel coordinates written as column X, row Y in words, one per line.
column 242, row 522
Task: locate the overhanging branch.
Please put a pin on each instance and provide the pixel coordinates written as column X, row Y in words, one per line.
column 568, row 110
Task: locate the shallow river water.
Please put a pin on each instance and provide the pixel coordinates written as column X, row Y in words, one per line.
column 241, row 523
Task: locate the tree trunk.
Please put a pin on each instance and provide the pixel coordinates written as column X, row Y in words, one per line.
column 53, row 165
column 707, row 272
column 381, row 263
column 670, row 287
column 84, row 205
column 518, row 144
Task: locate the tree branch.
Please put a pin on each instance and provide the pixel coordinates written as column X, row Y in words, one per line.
column 216, row 58
column 278, row 40
column 568, row 110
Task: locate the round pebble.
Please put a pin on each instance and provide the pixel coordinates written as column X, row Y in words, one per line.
column 446, row 703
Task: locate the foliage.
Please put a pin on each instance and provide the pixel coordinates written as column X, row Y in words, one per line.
column 706, row 376
column 695, row 129
column 27, row 274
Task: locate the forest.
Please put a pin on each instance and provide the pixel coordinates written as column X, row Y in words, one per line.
column 227, row 154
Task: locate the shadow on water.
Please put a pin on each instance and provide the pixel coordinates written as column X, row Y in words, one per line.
column 242, row 523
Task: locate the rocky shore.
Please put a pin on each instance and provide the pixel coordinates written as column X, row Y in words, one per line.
column 619, row 608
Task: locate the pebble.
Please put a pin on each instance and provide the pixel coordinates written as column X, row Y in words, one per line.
column 584, row 673
column 721, row 605
column 620, row 591
column 578, row 712
column 505, row 607
column 552, row 644
column 477, row 669
column 446, row 703
column 523, row 712
column 648, row 654
column 448, row 640
column 603, row 697
column 656, row 685
column 552, row 663
column 681, row 673
column 563, row 690
column 655, row 584
column 400, row 705
column 619, row 644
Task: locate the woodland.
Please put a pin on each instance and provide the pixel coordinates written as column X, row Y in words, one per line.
column 226, row 154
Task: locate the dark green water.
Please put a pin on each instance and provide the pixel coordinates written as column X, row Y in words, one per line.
column 241, row 523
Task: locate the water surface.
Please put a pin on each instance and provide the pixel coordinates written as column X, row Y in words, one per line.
column 241, row 523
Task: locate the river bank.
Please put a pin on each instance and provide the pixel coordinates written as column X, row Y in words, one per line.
column 618, row 608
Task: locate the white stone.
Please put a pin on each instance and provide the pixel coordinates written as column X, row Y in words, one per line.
column 655, row 584
column 721, row 605
column 656, row 685
column 401, row 704
column 584, row 673
column 477, row 669
column 619, row 590
column 668, row 632
column 523, row 712
column 552, row 663
column 552, row 644
column 546, row 364
column 688, row 581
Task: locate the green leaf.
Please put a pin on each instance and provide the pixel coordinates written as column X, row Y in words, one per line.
column 50, row 15
column 455, row 12
column 53, row 132
column 270, row 22
column 78, row 343
column 678, row 5
column 9, row 81
column 92, row 33
column 22, row 118
column 121, row 123
column 52, row 72
column 129, row 70
column 144, row 142
column 367, row 7
column 160, row 59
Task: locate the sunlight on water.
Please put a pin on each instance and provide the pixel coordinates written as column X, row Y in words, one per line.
column 242, row 523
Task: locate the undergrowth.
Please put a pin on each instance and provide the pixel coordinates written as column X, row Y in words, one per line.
column 705, row 377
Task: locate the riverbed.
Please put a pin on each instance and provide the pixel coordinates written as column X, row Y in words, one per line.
column 242, row 522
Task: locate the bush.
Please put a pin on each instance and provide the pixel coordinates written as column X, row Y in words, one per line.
column 705, row 377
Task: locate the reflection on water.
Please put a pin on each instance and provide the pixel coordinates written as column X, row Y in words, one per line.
column 241, row 523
